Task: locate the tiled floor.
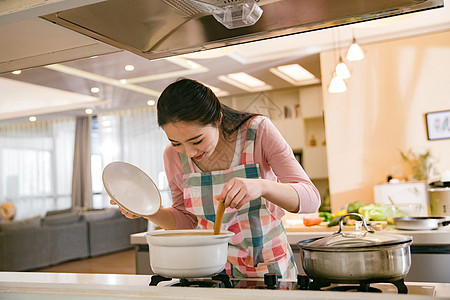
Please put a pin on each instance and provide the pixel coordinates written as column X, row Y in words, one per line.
column 115, row 263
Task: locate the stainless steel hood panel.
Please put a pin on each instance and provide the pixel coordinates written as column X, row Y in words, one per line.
column 154, row 29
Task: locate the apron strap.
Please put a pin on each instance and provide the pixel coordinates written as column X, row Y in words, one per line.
column 249, row 145
column 186, row 164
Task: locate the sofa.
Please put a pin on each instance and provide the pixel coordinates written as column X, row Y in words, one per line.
column 64, row 235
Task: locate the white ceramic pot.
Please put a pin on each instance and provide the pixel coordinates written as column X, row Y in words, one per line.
column 187, row 253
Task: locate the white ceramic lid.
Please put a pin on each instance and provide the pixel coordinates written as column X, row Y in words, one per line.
column 131, row 188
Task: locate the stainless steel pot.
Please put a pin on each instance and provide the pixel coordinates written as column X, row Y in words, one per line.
column 187, row 253
column 357, row 256
column 420, row 223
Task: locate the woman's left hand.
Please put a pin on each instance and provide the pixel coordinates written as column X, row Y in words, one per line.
column 238, row 191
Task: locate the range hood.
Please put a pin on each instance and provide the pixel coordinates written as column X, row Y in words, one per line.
column 161, row 28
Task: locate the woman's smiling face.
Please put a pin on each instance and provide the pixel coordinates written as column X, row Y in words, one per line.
column 196, row 141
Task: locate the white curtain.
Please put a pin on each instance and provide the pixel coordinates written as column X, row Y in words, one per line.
column 36, row 166
column 132, row 136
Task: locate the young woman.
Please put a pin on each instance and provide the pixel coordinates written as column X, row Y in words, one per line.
column 220, row 154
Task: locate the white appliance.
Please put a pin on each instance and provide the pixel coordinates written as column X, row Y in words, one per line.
column 403, row 193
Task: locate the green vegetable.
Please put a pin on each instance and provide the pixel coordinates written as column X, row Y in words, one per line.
column 354, row 206
column 326, row 216
column 336, row 221
column 373, row 212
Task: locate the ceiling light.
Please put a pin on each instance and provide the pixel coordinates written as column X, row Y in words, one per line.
column 151, row 102
column 218, row 92
column 102, row 79
column 245, row 81
column 32, row 119
column 341, row 70
column 17, row 72
column 295, row 74
column 95, row 90
column 337, row 85
column 123, row 81
column 89, row 111
column 355, row 52
column 129, row 67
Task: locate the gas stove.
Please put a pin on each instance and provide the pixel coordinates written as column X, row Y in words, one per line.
column 303, row 282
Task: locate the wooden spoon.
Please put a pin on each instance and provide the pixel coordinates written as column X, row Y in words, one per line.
column 219, row 217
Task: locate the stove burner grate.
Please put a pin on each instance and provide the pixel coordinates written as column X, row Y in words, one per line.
column 306, row 283
column 221, row 279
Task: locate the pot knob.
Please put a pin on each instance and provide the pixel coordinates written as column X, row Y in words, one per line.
column 271, row 280
column 361, row 217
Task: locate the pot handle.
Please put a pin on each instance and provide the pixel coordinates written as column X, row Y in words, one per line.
column 444, row 223
column 341, row 221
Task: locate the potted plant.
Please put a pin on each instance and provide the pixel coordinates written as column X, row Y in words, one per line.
column 421, row 164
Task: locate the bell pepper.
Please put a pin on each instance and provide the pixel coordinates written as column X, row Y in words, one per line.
column 340, row 213
column 326, row 216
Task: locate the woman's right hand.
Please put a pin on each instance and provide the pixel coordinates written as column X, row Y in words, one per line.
column 123, row 211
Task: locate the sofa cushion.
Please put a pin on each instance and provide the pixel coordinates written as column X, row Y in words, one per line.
column 103, row 214
column 21, row 224
column 62, row 218
column 56, row 212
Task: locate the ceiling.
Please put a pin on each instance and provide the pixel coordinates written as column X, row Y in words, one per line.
column 64, row 89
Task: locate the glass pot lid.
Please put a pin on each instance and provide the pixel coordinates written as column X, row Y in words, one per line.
column 358, row 239
column 355, row 239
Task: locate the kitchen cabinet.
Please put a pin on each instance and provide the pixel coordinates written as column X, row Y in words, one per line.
column 293, row 132
column 315, row 162
column 311, row 103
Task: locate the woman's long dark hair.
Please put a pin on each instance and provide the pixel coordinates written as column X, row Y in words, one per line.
column 187, row 100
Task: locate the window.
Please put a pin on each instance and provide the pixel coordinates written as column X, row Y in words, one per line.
column 132, row 136
column 36, row 166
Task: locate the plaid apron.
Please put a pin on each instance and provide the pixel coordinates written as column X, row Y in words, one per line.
column 260, row 243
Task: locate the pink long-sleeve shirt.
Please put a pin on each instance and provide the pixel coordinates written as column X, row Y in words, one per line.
column 276, row 161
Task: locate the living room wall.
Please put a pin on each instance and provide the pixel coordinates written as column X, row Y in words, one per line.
column 383, row 112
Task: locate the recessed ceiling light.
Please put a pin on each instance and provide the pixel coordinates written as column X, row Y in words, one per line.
column 32, row 119
column 129, row 67
column 218, row 92
column 123, row 81
column 151, row 102
column 245, row 81
column 95, row 90
column 295, row 74
column 89, row 111
column 17, row 72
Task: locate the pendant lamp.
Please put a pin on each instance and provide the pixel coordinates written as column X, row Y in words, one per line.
column 341, row 70
column 337, row 85
column 355, row 52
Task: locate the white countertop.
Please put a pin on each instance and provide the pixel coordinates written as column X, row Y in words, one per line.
column 49, row 286
column 440, row 236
